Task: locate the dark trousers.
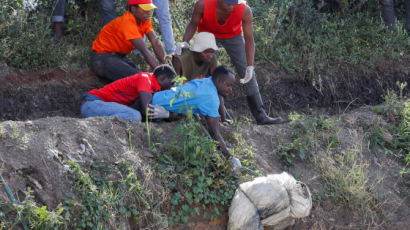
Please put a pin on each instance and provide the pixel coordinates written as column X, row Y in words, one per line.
column 388, row 14
column 235, row 47
column 112, row 66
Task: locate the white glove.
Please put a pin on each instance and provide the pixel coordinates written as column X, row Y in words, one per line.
column 157, row 111
column 236, row 164
column 249, row 74
column 180, row 46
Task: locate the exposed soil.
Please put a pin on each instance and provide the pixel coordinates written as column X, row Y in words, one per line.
column 40, row 111
column 58, row 92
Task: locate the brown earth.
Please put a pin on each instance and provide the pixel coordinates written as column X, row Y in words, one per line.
column 41, row 128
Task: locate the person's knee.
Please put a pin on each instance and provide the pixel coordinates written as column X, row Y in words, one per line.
column 97, row 67
column 132, row 115
column 86, row 110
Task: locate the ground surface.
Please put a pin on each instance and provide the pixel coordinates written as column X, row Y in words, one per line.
column 40, row 128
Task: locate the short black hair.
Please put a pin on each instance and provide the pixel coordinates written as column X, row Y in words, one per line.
column 221, row 72
column 136, row 6
column 165, row 70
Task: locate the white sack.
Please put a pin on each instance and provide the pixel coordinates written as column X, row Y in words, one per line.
column 269, row 197
column 300, row 200
column 243, row 214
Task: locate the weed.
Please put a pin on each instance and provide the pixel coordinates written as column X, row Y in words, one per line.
column 347, row 182
column 397, row 110
column 105, row 202
column 16, row 132
column 304, row 138
column 131, row 148
column 193, row 168
column 37, row 217
column 2, row 132
column 375, row 137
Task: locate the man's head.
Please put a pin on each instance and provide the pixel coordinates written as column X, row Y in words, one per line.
column 204, row 46
column 141, row 9
column 164, row 75
column 223, row 79
column 228, row 5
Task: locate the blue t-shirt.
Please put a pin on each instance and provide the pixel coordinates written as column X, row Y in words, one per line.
column 203, row 98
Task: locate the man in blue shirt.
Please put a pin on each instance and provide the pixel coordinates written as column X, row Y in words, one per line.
column 201, row 95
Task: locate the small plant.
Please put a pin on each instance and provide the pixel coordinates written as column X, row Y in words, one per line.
column 16, row 132
column 104, row 202
column 39, row 217
column 2, row 132
column 306, row 135
column 347, row 182
column 196, row 174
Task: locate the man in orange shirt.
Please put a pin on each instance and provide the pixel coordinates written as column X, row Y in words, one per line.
column 122, row 35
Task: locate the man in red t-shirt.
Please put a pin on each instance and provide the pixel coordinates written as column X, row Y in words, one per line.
column 128, row 97
column 227, row 19
column 122, row 35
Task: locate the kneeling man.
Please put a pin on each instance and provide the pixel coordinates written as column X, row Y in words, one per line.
column 204, row 99
column 128, row 97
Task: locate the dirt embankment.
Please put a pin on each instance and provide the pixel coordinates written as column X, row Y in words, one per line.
column 33, row 152
column 58, row 92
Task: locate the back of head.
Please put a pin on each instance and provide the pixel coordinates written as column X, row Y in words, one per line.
column 165, row 70
column 221, row 72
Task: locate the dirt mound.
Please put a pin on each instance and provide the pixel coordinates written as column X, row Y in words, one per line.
column 35, row 154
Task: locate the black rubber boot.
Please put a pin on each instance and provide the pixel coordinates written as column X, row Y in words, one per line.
column 258, row 111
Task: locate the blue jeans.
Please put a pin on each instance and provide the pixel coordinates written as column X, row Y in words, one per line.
column 107, row 9
column 165, row 25
column 95, row 107
column 58, row 12
column 388, row 14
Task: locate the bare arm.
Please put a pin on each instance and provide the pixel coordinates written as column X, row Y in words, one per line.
column 193, row 24
column 213, row 124
column 145, row 99
column 142, row 47
column 212, row 67
column 158, row 50
column 177, row 65
column 247, row 27
column 221, row 109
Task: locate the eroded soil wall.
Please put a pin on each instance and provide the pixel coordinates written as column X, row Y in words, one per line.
column 58, row 93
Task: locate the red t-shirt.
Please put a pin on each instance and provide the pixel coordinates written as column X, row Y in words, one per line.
column 232, row 26
column 116, row 35
column 125, row 91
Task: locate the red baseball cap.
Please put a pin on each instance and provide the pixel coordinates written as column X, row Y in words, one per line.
column 143, row 4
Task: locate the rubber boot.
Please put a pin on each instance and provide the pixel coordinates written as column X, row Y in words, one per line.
column 258, row 111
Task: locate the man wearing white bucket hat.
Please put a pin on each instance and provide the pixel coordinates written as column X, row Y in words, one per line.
column 227, row 19
column 199, row 61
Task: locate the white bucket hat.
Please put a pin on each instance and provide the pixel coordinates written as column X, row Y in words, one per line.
column 204, row 41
